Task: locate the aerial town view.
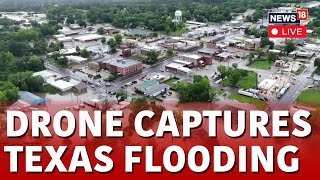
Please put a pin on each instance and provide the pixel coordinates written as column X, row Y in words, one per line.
column 110, row 54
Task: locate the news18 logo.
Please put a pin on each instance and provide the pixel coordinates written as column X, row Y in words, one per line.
column 287, row 25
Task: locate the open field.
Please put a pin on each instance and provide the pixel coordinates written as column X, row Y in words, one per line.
column 262, row 64
column 309, row 97
column 244, row 99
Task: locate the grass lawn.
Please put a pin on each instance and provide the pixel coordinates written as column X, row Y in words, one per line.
column 262, row 64
column 309, row 97
column 244, row 99
column 212, row 23
column 245, row 83
column 171, row 81
column 301, row 69
column 138, row 58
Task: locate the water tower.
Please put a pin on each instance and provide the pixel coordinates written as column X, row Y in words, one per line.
column 177, row 17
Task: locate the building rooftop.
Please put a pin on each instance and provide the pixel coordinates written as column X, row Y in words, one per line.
column 174, row 65
column 182, row 62
column 61, row 84
column 45, row 74
column 207, row 51
column 77, row 59
column 89, row 37
column 157, row 88
column 122, row 62
column 31, row 98
column 147, row 84
column 224, row 54
column 192, row 56
column 138, row 32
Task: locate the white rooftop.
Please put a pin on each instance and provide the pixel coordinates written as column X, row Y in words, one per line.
column 174, row 65
column 89, row 37
column 266, row 84
column 45, row 74
column 76, row 59
column 62, row 85
column 191, row 56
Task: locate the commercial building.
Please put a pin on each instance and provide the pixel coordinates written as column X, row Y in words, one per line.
column 121, row 65
column 65, row 39
column 252, row 44
column 80, row 88
column 193, row 58
column 30, row 98
column 194, row 25
column 129, row 43
column 94, row 65
column 138, row 33
column 146, row 49
column 89, row 37
column 126, row 52
column 152, row 88
column 77, row 59
column 74, row 26
column 178, row 68
column 208, row 52
column 224, row 56
column 111, row 30
column 62, row 85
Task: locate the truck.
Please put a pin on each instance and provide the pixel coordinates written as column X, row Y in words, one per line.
column 249, row 94
column 255, row 91
column 283, row 90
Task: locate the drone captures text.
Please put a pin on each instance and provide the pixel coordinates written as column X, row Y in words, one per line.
column 222, row 158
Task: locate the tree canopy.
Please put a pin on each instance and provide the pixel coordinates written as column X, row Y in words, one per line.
column 199, row 90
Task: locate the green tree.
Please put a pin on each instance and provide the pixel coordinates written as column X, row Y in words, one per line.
column 317, row 62
column 82, row 23
column 118, row 39
column 199, row 90
column 121, row 95
column 259, row 52
column 25, row 81
column 103, row 40
column 234, row 77
column 223, row 71
column 78, row 49
column 112, row 44
column 85, row 53
column 100, row 31
column 169, row 52
column 289, row 47
column 272, row 57
column 8, row 92
column 152, row 57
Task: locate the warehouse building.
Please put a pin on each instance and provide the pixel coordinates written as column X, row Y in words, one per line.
column 77, row 59
column 32, row 99
column 62, row 85
column 89, row 37
column 152, row 88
